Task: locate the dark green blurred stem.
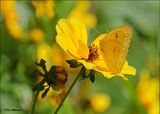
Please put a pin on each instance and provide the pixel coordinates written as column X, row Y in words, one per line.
column 36, row 95
column 69, row 90
column 34, row 102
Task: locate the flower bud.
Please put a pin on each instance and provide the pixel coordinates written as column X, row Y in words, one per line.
column 60, row 78
column 61, row 74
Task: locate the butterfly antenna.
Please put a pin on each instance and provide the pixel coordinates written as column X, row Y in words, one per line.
column 96, row 31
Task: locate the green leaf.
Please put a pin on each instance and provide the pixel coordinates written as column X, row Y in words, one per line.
column 92, row 76
column 45, row 92
column 84, row 74
column 73, row 63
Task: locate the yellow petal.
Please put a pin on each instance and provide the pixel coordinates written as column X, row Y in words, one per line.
column 105, row 74
column 49, row 8
column 68, row 48
column 98, row 39
column 38, row 8
column 80, row 33
column 83, row 50
column 88, row 65
column 99, row 63
column 148, row 92
column 101, row 67
column 81, row 13
column 14, row 29
column 36, row 35
column 72, row 37
column 79, row 30
column 110, row 75
column 44, row 51
column 44, row 7
column 127, row 69
column 90, row 20
column 64, row 38
column 9, row 12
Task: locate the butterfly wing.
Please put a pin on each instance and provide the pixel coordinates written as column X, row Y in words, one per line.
column 114, row 47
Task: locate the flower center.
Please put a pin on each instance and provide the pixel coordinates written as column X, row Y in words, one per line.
column 93, row 53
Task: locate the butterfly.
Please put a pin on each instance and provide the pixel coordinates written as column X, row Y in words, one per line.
column 114, row 47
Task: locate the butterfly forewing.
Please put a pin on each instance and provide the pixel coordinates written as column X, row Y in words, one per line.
column 114, row 47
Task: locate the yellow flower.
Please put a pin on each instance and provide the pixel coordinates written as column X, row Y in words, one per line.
column 81, row 13
column 43, row 52
column 51, row 53
column 36, row 35
column 8, row 10
column 44, row 7
column 72, row 37
column 100, row 102
column 57, row 56
column 148, row 92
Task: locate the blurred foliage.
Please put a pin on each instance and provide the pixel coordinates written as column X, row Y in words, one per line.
column 19, row 54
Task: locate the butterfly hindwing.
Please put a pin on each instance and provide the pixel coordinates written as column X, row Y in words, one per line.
column 114, row 47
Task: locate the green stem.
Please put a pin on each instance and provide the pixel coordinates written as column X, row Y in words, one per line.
column 69, row 90
column 34, row 102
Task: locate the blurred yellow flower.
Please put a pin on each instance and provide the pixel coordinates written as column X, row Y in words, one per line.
column 43, row 52
column 72, row 37
column 81, row 13
column 54, row 97
column 37, row 35
column 148, row 92
column 51, row 53
column 100, row 102
column 58, row 56
column 45, row 7
column 9, row 13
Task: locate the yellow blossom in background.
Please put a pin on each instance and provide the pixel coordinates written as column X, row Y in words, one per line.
column 36, row 35
column 100, row 102
column 43, row 52
column 58, row 56
column 82, row 13
column 72, row 37
column 9, row 13
column 51, row 53
column 45, row 7
column 148, row 92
